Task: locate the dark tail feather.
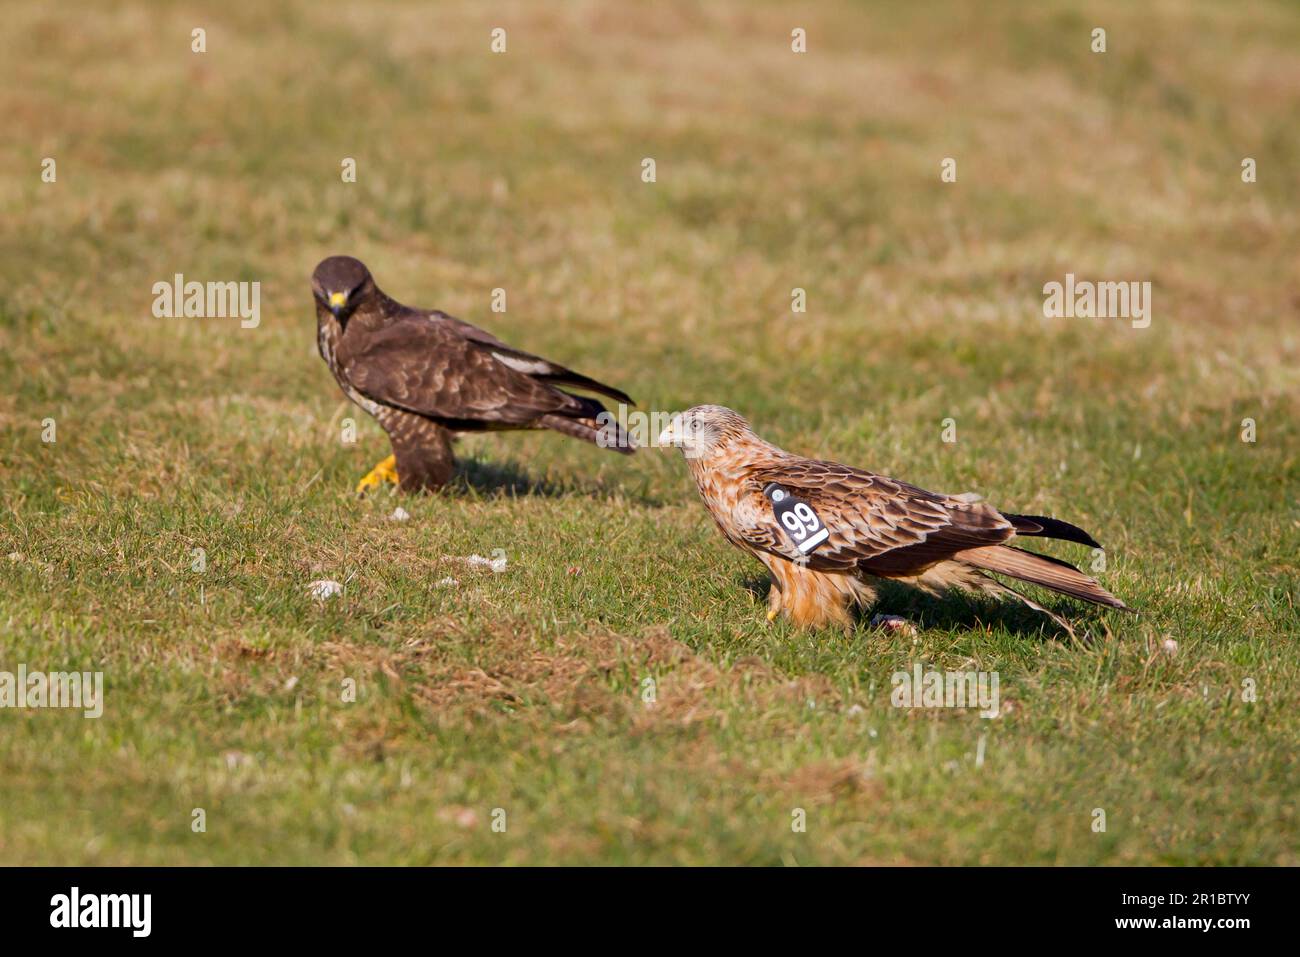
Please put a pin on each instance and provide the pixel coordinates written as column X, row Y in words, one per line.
column 1040, row 570
column 608, row 436
column 576, row 380
column 1045, row 527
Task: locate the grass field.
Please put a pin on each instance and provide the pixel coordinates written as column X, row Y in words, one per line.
column 523, row 690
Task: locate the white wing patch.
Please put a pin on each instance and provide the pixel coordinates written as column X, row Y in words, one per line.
column 526, row 366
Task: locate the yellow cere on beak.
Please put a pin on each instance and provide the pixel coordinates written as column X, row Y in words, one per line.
column 338, row 299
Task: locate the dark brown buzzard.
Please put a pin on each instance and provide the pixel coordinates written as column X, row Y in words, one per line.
column 826, row 530
column 426, row 377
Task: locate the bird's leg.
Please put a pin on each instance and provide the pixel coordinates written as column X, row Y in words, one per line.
column 773, row 601
column 385, row 471
column 775, row 591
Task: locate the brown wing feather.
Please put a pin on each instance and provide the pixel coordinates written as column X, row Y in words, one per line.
column 878, row 524
column 430, row 369
column 543, row 369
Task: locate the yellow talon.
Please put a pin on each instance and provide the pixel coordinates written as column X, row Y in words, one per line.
column 385, row 471
column 771, row 615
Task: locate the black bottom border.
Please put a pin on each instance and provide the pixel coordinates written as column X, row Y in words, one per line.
column 950, row 906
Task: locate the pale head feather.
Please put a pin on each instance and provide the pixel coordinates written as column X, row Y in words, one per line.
column 704, row 430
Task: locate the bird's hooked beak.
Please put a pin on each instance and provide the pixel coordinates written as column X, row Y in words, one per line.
column 679, row 435
column 338, row 302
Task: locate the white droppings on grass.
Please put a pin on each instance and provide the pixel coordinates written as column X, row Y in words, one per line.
column 1169, row 647
column 447, row 583
column 497, row 564
column 324, row 589
column 237, row 759
column 462, row 817
column 399, row 515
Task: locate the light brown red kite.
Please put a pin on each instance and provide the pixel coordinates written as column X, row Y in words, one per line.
column 825, row 530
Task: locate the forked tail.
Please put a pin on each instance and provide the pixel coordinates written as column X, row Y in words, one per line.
column 1039, row 570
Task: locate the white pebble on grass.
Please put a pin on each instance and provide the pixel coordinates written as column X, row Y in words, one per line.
column 324, row 589
column 497, row 565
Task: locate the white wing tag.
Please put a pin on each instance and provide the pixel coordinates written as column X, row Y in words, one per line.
column 796, row 518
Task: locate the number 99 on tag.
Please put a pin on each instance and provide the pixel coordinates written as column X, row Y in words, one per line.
column 797, row 519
